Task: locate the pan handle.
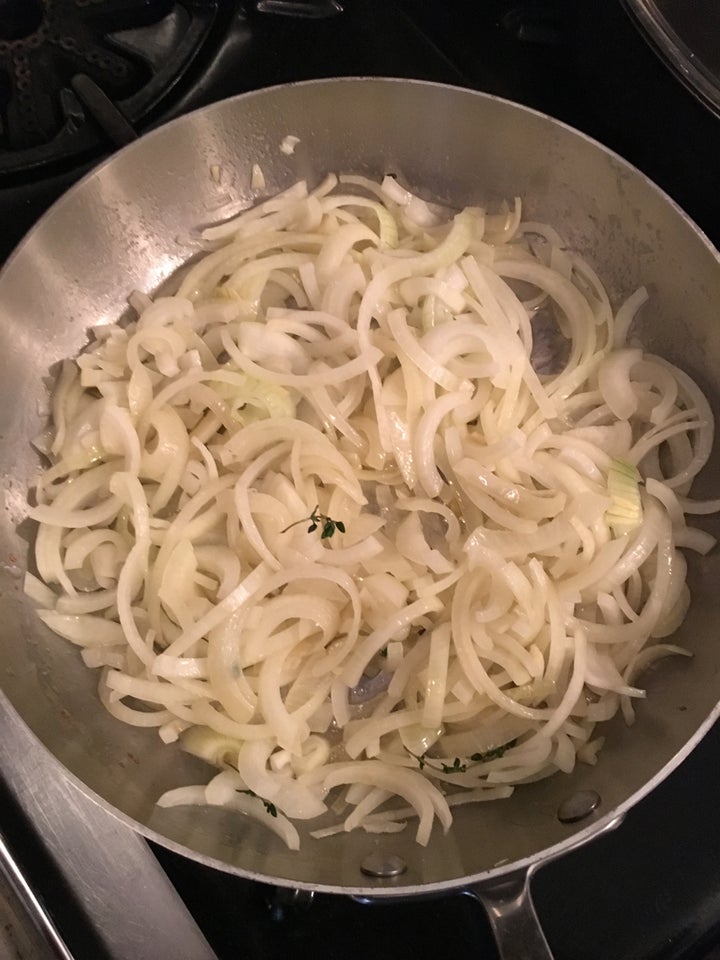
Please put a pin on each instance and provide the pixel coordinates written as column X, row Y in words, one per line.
column 512, row 916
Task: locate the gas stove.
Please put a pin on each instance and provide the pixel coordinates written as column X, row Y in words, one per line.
column 78, row 78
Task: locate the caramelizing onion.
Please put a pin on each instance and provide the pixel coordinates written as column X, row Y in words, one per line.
column 380, row 504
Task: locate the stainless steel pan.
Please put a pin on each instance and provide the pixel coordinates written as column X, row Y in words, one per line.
column 130, row 224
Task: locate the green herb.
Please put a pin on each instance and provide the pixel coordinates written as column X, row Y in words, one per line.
column 456, row 767
column 493, row 754
column 270, row 807
column 460, row 766
column 316, row 519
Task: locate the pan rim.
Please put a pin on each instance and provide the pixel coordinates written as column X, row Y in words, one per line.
column 380, row 890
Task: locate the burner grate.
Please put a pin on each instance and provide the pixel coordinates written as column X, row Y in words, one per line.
column 135, row 51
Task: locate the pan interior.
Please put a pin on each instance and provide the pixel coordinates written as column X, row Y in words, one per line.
column 132, row 223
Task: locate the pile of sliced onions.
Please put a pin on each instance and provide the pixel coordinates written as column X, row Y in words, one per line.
column 455, row 392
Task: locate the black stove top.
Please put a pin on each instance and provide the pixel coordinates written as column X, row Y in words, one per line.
column 650, row 889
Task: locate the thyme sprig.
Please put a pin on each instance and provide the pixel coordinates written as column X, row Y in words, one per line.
column 270, row 807
column 317, row 519
column 462, row 766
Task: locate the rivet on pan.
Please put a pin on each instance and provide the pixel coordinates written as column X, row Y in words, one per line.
column 578, row 806
column 383, row 865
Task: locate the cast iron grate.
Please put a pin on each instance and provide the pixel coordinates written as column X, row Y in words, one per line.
column 134, row 51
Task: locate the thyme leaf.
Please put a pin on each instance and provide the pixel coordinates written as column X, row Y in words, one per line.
column 459, row 765
column 270, row 807
column 317, row 519
column 494, row 753
column 455, row 767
